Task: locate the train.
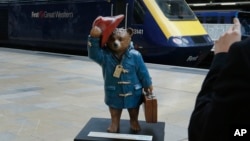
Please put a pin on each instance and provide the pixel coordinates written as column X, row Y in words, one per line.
column 224, row 18
column 216, row 16
column 165, row 31
column 221, row 15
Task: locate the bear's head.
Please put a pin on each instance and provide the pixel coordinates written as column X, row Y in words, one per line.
column 119, row 40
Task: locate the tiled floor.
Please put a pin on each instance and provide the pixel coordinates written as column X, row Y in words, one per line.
column 50, row 97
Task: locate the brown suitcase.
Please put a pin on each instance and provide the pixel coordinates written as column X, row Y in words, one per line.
column 150, row 108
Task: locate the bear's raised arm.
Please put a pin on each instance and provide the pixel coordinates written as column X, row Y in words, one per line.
column 95, row 52
column 95, row 32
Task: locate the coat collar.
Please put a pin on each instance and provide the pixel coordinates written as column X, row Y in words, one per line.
column 131, row 46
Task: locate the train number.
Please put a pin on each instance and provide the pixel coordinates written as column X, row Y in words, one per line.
column 138, row 31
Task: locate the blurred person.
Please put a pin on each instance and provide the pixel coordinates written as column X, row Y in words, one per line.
column 223, row 102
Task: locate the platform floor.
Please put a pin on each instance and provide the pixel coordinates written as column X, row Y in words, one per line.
column 50, row 97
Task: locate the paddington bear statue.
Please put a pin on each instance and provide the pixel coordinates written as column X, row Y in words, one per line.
column 125, row 74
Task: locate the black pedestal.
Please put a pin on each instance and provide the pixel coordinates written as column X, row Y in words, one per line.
column 101, row 124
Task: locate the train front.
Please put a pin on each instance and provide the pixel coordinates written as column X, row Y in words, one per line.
column 176, row 35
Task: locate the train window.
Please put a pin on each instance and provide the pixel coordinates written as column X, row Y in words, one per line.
column 211, row 19
column 175, row 10
column 139, row 12
column 223, row 19
column 215, row 16
column 201, row 19
column 3, row 24
column 28, row 1
column 120, row 7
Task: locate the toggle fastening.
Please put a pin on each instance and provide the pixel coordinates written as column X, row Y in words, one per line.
column 123, row 82
column 125, row 95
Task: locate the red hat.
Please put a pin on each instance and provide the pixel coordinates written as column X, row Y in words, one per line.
column 107, row 25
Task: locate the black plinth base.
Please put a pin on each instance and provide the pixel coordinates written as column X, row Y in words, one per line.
column 101, row 124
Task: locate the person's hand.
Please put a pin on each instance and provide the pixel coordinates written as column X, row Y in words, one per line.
column 232, row 35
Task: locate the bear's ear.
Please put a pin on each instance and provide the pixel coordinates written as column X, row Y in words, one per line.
column 130, row 31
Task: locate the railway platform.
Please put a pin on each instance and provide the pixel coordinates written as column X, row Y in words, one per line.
column 51, row 97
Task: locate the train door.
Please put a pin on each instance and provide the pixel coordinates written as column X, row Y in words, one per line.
column 3, row 24
column 137, row 23
column 134, row 11
column 120, row 7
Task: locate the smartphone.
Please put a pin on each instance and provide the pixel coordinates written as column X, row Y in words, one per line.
column 244, row 18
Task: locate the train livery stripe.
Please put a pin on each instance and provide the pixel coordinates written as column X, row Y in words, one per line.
column 174, row 28
column 189, row 28
column 158, row 16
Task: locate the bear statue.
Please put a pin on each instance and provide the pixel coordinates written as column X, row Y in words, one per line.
column 125, row 74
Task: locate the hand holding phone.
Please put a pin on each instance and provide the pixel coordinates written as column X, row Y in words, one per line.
column 244, row 18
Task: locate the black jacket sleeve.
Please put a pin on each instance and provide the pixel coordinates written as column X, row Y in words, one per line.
column 224, row 99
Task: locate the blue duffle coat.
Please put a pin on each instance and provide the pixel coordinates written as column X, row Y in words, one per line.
column 125, row 91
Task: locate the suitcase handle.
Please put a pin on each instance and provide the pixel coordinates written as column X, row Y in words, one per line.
column 150, row 95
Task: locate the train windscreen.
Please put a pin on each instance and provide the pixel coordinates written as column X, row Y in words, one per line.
column 176, row 10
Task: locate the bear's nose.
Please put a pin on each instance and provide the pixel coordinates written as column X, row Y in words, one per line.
column 116, row 44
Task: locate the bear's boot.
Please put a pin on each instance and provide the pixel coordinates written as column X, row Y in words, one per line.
column 115, row 120
column 134, row 123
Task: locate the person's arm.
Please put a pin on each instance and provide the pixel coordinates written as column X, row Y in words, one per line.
column 221, row 48
column 198, row 121
column 207, row 117
column 208, row 83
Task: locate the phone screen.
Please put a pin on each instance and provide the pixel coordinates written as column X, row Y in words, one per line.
column 244, row 18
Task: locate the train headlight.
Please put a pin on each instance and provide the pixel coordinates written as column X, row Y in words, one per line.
column 185, row 41
column 177, row 41
column 180, row 41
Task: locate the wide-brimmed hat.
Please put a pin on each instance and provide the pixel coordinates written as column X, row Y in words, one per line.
column 107, row 25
